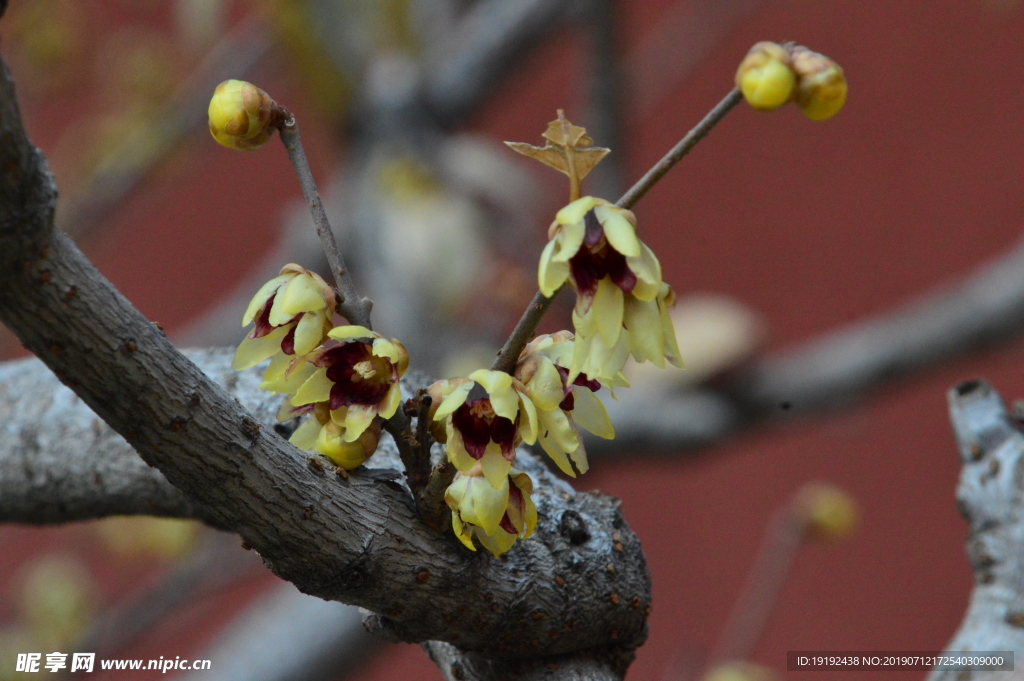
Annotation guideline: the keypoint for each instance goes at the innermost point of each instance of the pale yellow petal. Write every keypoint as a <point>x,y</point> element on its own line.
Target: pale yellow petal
<point>456,452</point>
<point>455,399</point>
<point>317,388</point>
<point>305,436</point>
<point>358,419</point>
<point>494,465</point>
<point>590,414</point>
<point>286,374</point>
<point>648,274</point>
<point>351,331</point>
<point>389,405</point>
<point>546,388</point>
<point>568,241</point>
<point>382,347</point>
<point>562,431</point>
<point>672,353</point>
<point>528,420</point>
<point>557,454</point>
<point>550,274</point>
<point>575,211</point>
<point>462,532</point>
<point>486,504</point>
<point>646,337</point>
<point>579,457</point>
<point>608,310</point>
<point>498,543</point>
<point>618,231</point>
<point>261,297</point>
<point>531,513</point>
<point>252,351</point>
<point>309,332</point>
<point>302,294</point>
<point>498,385</point>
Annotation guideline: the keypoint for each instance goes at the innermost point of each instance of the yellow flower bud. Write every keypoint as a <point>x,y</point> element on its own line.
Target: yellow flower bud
<point>331,443</point>
<point>241,115</point>
<point>826,511</point>
<point>821,85</point>
<point>765,77</point>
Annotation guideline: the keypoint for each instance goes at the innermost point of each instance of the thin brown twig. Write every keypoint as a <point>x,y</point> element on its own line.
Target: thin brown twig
<point>351,305</point>
<point>527,325</point>
<point>421,469</point>
<point>714,117</point>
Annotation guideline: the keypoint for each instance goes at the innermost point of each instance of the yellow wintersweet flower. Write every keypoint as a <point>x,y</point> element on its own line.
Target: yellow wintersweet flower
<point>357,376</point>
<point>321,432</point>
<point>292,314</point>
<point>821,84</point>
<point>562,406</point>
<point>241,115</point>
<point>496,516</point>
<point>765,77</point>
<point>486,417</point>
<point>617,280</point>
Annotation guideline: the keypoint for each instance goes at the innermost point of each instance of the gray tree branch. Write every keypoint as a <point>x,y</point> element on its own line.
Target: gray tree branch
<point>991,498</point>
<point>358,540</point>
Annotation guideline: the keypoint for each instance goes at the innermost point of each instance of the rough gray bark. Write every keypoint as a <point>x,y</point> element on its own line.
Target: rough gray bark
<point>357,540</point>
<point>991,498</point>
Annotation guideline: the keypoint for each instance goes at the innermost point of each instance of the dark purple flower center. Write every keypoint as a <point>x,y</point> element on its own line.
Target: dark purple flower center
<point>359,376</point>
<point>596,260</point>
<point>479,425</point>
<point>569,402</point>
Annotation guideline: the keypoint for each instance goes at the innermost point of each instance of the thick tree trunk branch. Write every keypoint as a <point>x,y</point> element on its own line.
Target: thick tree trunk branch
<point>991,498</point>
<point>357,540</point>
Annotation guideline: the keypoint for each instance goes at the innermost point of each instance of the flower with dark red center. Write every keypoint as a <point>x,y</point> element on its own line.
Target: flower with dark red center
<point>357,377</point>
<point>563,406</point>
<point>292,314</point>
<point>496,516</point>
<point>594,247</point>
<point>486,417</point>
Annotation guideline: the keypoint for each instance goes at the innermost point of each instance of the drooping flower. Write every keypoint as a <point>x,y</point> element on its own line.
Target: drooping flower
<point>357,377</point>
<point>765,76</point>
<point>241,115</point>
<point>292,314</point>
<point>594,246</point>
<point>563,406</point>
<point>485,416</point>
<point>648,334</point>
<point>496,516</point>
<point>321,432</point>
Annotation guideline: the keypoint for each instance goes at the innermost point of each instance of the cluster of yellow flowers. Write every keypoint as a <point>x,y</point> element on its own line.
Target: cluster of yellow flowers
<point>345,377</point>
<point>772,75</point>
<point>621,309</point>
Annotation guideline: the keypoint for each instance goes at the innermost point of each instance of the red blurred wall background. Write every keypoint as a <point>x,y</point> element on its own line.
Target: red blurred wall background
<point>811,224</point>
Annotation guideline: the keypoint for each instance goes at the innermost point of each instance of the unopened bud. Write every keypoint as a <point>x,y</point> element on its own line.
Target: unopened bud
<point>826,511</point>
<point>331,443</point>
<point>765,77</point>
<point>241,115</point>
<point>821,85</point>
